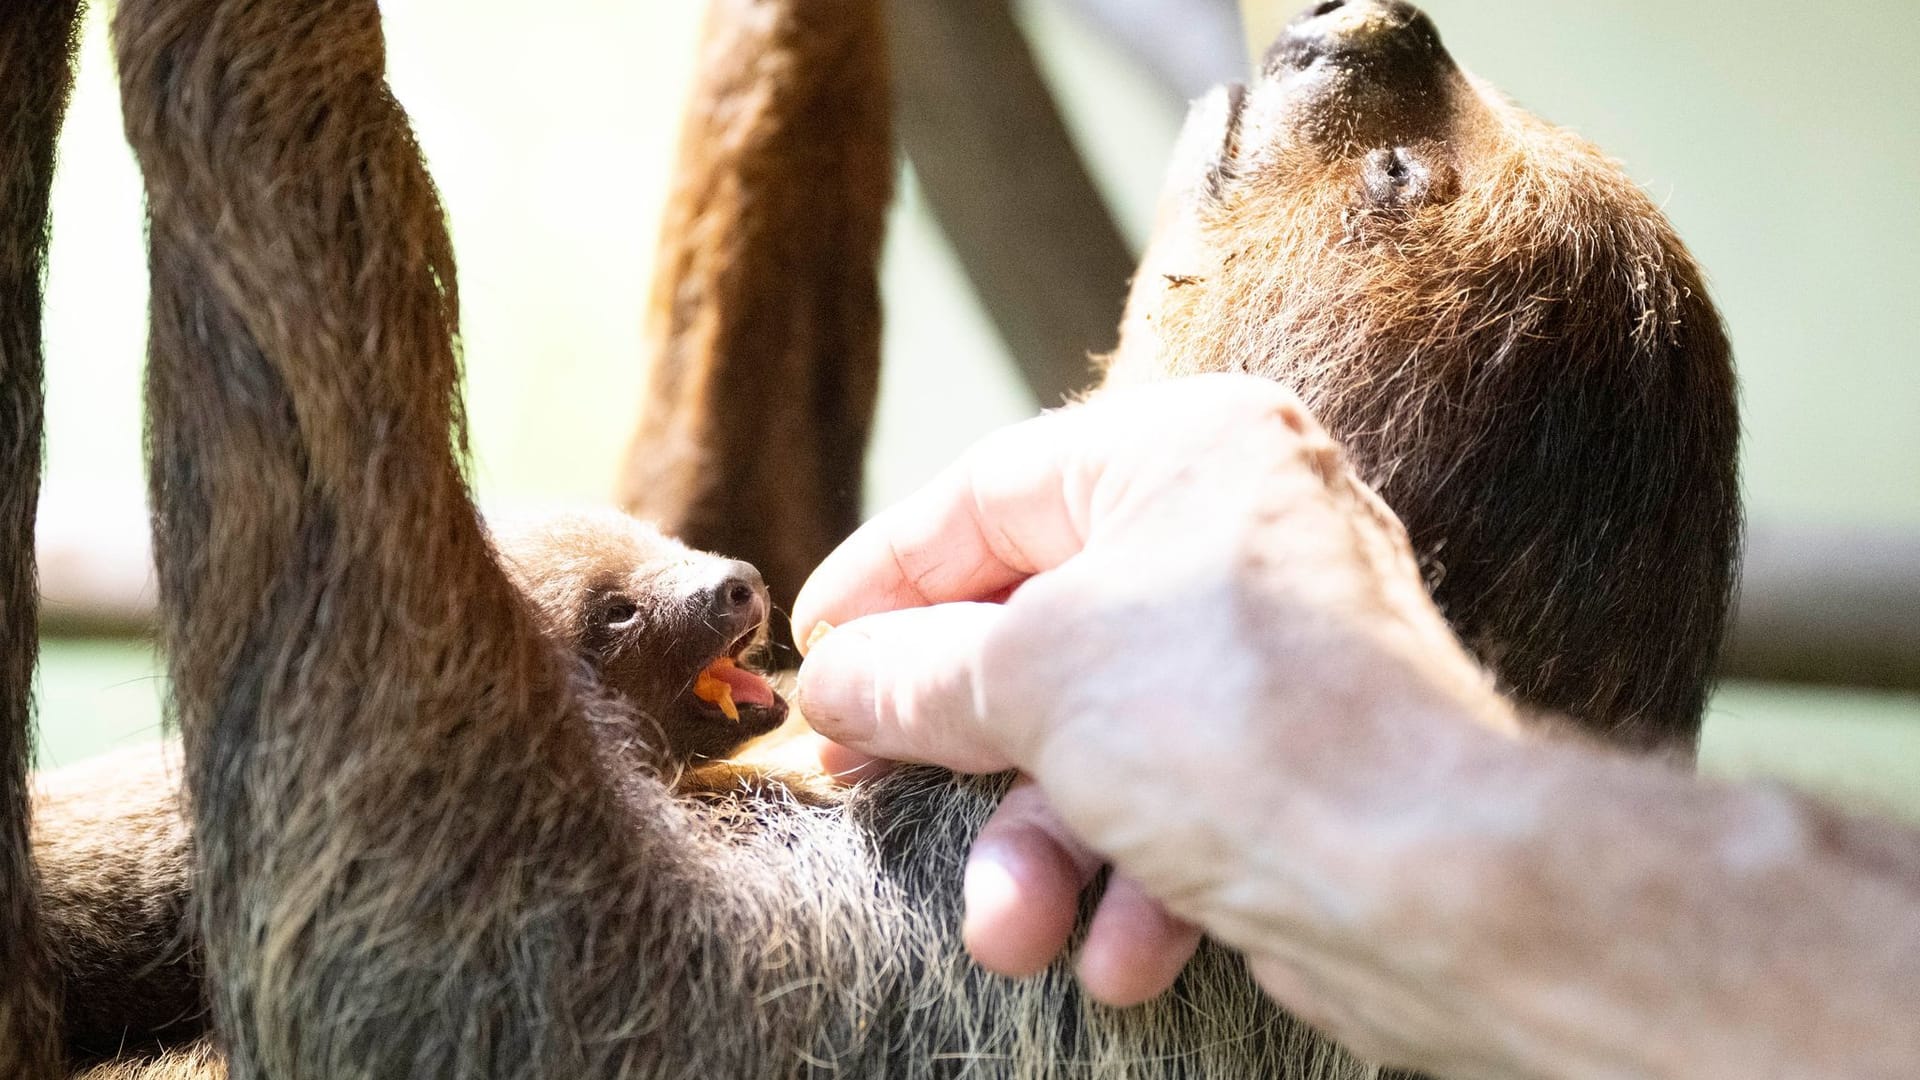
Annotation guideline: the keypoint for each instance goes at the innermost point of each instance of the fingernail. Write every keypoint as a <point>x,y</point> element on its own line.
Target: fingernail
<point>836,686</point>
<point>990,887</point>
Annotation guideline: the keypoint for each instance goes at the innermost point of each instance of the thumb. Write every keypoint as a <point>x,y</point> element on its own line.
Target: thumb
<point>906,685</point>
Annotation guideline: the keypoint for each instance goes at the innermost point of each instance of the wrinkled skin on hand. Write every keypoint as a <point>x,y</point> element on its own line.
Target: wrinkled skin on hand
<point>1201,593</point>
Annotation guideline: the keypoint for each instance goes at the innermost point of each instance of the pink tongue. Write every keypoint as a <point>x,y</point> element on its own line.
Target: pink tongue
<point>748,688</point>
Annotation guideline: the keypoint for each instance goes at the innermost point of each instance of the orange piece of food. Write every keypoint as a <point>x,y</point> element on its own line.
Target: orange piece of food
<point>715,691</point>
<point>820,630</point>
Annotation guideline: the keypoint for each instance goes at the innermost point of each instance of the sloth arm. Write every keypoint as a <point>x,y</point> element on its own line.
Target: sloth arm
<point>396,795</point>
<point>37,42</point>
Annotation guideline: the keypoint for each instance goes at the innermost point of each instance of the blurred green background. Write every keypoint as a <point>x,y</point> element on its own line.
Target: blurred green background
<point>1785,152</point>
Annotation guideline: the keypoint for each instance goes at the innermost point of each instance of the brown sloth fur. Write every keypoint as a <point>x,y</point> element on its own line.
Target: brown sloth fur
<point>424,849</point>
<point>36,48</point>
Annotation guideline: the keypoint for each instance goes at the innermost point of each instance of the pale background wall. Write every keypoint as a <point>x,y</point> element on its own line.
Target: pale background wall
<point>1780,137</point>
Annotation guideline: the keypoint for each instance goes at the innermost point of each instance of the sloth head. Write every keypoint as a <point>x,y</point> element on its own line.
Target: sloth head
<point>1365,203</point>
<point>665,627</point>
<point>1501,328</point>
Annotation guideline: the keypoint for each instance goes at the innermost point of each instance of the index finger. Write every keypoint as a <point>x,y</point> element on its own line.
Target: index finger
<point>1006,510</point>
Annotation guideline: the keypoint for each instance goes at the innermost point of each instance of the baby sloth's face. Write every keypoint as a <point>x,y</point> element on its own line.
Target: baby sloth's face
<point>666,627</point>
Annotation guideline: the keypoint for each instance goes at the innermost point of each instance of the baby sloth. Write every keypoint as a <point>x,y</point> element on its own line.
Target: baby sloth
<point>661,628</point>
<point>657,623</point>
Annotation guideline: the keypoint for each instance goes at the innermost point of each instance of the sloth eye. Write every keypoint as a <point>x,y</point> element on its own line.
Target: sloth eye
<point>618,612</point>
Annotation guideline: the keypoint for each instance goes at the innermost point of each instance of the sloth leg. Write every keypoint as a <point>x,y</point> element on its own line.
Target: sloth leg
<point>764,323</point>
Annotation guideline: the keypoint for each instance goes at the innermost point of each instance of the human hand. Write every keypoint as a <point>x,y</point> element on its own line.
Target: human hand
<point>1217,662</point>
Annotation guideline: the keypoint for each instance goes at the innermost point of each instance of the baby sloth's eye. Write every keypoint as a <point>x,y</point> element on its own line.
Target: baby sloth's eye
<point>1398,178</point>
<point>618,612</point>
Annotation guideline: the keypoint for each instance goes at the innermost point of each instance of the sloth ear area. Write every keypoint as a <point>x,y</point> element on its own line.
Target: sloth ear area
<point>1404,177</point>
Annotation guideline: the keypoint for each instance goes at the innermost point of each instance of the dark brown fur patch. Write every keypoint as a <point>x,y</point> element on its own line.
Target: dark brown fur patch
<point>37,41</point>
<point>112,849</point>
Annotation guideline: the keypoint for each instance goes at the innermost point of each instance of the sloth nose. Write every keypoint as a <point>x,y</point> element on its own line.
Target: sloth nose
<point>1389,40</point>
<point>735,598</point>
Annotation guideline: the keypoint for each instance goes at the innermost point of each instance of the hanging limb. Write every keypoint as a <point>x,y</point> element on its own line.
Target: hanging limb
<point>764,320</point>
<point>346,660</point>
<point>424,851</point>
<point>37,41</point>
<point>1000,170</point>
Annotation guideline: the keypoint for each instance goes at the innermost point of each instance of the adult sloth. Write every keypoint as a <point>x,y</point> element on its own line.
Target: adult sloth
<point>419,856</point>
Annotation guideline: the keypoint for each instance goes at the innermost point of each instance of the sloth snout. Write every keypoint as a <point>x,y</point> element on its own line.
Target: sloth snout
<point>733,598</point>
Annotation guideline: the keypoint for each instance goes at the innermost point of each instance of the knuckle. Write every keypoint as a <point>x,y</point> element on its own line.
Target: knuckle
<point>1270,412</point>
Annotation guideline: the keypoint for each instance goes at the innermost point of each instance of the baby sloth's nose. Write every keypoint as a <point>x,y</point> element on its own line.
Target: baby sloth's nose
<point>1387,40</point>
<point>736,598</point>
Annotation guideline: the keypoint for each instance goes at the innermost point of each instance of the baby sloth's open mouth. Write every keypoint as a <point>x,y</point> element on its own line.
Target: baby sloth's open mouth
<point>726,692</point>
